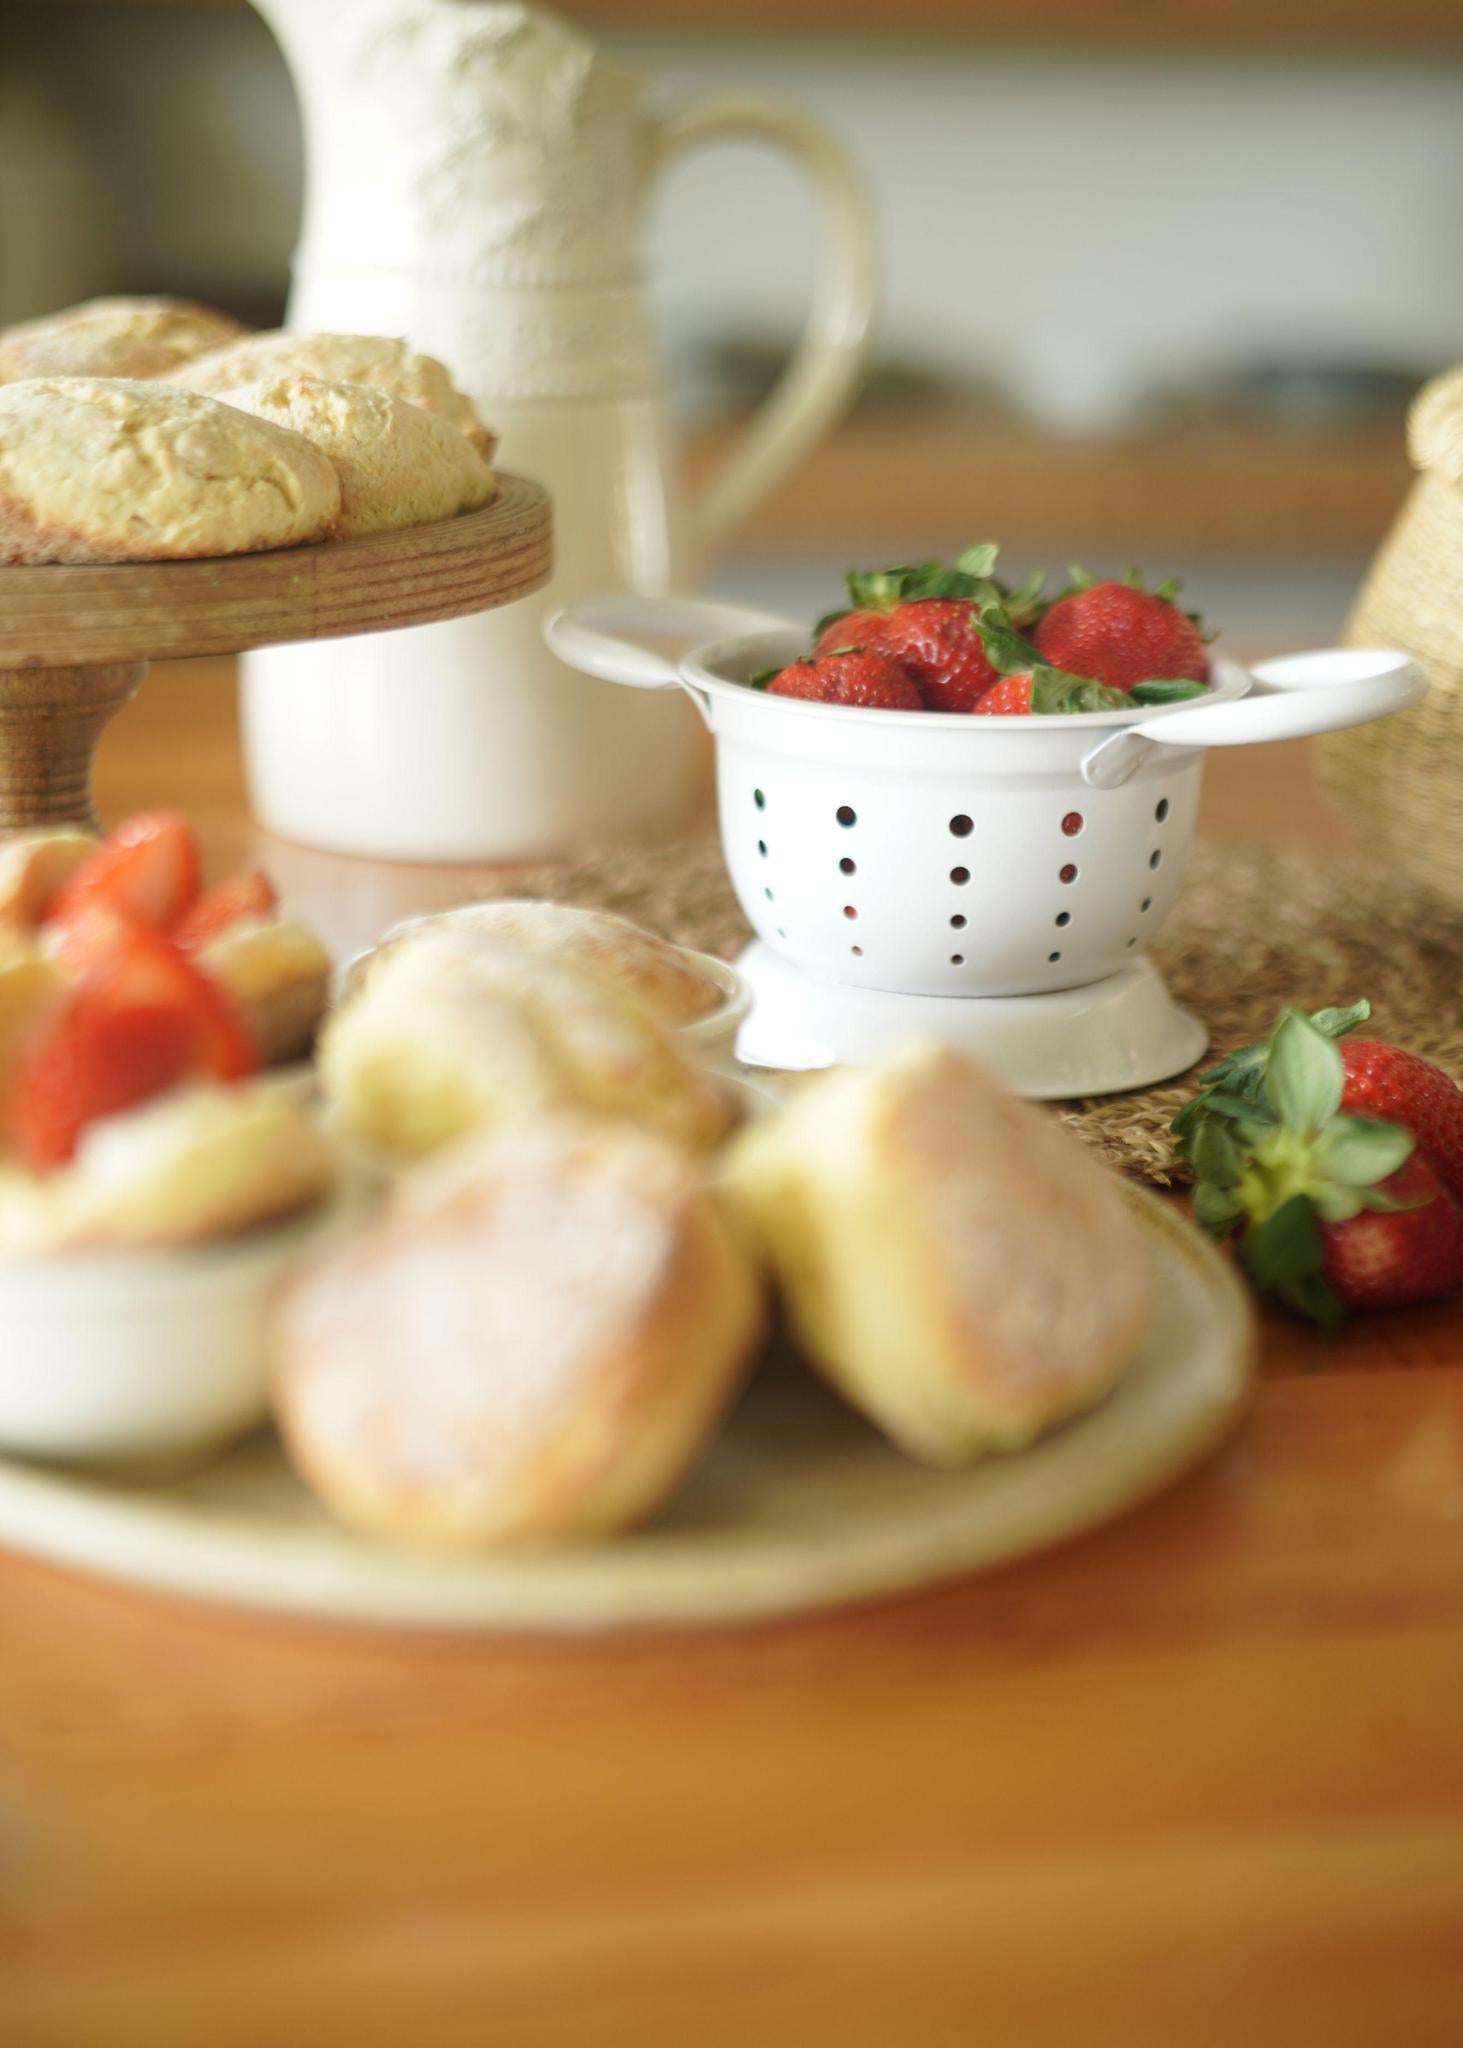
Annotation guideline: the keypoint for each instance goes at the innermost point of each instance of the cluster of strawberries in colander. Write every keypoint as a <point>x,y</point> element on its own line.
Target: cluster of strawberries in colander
<point>929,637</point>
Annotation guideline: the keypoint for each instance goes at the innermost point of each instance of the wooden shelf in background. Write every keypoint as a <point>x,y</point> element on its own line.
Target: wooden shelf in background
<point>1298,24</point>
<point>1221,484</point>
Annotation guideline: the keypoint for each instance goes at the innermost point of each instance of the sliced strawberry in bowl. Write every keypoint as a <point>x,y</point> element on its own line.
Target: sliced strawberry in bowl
<point>227,903</point>
<point>148,869</point>
<point>141,1019</point>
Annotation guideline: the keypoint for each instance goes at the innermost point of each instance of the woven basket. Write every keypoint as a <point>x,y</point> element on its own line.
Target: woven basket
<point>1400,783</point>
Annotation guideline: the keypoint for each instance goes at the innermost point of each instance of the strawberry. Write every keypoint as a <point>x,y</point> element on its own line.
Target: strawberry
<point>1121,634</point>
<point>925,616</point>
<point>141,1019</point>
<point>248,895</point>
<point>148,869</point>
<point>1009,696</point>
<point>1049,691</point>
<point>850,675</point>
<point>1331,1208</point>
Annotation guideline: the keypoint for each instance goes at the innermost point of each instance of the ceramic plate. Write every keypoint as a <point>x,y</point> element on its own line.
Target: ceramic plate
<point>797,1506</point>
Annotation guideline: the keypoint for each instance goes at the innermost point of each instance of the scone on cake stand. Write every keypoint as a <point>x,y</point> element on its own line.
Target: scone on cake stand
<point>76,642</point>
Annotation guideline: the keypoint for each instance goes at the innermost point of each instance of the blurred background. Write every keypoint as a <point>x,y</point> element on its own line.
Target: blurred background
<point>1160,276</point>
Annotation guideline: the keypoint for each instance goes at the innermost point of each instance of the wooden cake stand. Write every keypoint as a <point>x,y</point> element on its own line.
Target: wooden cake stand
<point>75,643</point>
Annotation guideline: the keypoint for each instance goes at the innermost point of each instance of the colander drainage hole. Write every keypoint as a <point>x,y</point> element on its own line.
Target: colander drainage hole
<point>846,815</point>
<point>957,959</point>
<point>857,949</point>
<point>1155,857</point>
<point>768,894</point>
<point>849,911</point>
<point>1162,812</point>
<point>1132,942</point>
<point>762,848</point>
<point>847,866</point>
<point>957,922</point>
<point>781,933</point>
<point>1053,958</point>
<point>1072,824</point>
<point>962,826</point>
<point>1068,873</point>
<point>959,876</point>
<point>759,799</point>
<point>1064,917</point>
<point>1146,904</point>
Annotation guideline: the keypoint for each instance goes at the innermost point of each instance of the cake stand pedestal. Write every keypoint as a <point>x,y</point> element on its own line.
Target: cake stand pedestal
<point>76,643</point>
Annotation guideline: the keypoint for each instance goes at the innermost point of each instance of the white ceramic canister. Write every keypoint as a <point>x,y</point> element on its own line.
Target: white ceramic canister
<point>476,181</point>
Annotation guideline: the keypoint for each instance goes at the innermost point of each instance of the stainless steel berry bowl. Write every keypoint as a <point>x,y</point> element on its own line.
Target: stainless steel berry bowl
<point>944,857</point>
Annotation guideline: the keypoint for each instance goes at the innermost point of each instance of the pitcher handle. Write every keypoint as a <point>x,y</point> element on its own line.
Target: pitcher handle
<point>820,377</point>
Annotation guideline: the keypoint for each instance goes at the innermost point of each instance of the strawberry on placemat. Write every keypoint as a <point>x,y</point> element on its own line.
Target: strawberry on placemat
<point>1337,1168</point>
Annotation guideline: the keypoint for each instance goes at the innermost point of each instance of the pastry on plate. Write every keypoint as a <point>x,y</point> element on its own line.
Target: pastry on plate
<point>99,469</point>
<point>382,361</point>
<point>35,867</point>
<point>531,1340</point>
<point>114,338</point>
<point>951,1259</point>
<point>449,1035</point>
<point>665,978</point>
<point>398,464</point>
<point>277,973</point>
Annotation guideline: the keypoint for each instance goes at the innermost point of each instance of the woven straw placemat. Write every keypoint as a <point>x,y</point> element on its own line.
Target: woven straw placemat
<point>1255,929</point>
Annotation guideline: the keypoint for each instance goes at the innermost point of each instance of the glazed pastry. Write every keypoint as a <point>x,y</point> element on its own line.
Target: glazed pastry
<point>951,1259</point>
<point>384,362</point>
<point>450,1035</point>
<point>113,338</point>
<point>532,1340</point>
<point>108,470</point>
<point>278,975</point>
<point>398,465</point>
<point>35,867</point>
<point>659,975</point>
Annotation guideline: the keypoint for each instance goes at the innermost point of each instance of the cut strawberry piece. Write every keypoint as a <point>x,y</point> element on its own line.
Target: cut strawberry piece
<point>148,870</point>
<point>142,1019</point>
<point>95,1061</point>
<point>248,895</point>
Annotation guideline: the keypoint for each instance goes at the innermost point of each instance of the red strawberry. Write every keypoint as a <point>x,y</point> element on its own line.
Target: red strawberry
<point>1011,696</point>
<point>1120,634</point>
<point>850,629</point>
<point>141,1019</point>
<point>1332,1208</point>
<point>1400,1087</point>
<point>249,895</point>
<point>148,869</point>
<point>855,675</point>
<point>936,640</point>
<point>1388,1258</point>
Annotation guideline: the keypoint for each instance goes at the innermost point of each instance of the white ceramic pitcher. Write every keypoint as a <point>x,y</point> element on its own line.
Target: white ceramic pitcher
<point>476,177</point>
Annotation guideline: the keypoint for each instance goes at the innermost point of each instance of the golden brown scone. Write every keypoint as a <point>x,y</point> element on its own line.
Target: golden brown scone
<point>398,464</point>
<point>200,1164</point>
<point>657,974</point>
<point>35,867</point>
<point>278,974</point>
<point>384,362</point>
<point>97,469</point>
<point>533,1339</point>
<point>448,1036</point>
<point>952,1260</point>
<point>113,338</point>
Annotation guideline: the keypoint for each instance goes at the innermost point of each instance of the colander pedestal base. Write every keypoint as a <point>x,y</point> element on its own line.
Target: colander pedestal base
<point>1123,1032</point>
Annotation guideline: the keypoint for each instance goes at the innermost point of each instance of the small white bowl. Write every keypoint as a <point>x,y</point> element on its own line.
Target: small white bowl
<point>140,1354</point>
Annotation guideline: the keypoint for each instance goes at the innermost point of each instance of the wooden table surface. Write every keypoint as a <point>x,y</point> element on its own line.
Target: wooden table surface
<point>1195,1779</point>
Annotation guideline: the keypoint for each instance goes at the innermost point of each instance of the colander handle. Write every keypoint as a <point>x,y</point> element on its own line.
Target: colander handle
<point>607,636</point>
<point>1297,695</point>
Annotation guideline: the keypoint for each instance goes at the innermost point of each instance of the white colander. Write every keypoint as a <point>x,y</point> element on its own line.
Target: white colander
<point>927,854</point>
